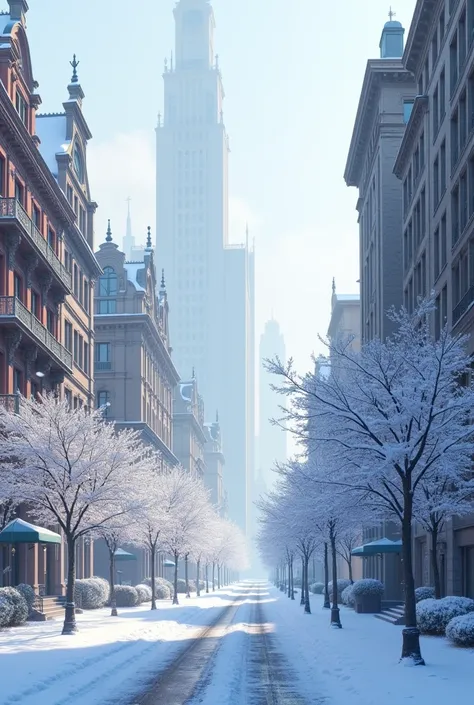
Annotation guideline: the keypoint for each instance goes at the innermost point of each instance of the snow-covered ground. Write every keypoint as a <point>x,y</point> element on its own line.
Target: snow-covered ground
<point>107,661</point>
<point>358,665</point>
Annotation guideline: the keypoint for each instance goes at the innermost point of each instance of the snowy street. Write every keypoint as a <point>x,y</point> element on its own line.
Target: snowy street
<point>243,645</point>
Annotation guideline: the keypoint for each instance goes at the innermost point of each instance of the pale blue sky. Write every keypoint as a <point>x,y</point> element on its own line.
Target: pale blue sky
<point>292,71</point>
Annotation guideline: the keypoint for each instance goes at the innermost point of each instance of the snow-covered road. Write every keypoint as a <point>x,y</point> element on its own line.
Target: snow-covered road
<point>234,662</point>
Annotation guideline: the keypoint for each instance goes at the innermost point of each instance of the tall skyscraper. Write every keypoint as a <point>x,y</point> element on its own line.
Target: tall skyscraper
<point>210,283</point>
<point>272,440</point>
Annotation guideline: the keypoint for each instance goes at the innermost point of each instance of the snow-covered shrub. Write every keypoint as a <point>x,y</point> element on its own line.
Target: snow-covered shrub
<point>347,597</point>
<point>6,610</point>
<point>317,588</point>
<point>19,605</point>
<point>192,585</point>
<point>89,594</point>
<point>367,586</point>
<point>28,593</point>
<point>126,596</point>
<point>163,587</point>
<point>433,616</point>
<point>104,587</point>
<point>181,586</point>
<point>144,593</point>
<point>424,593</point>
<point>341,585</point>
<point>460,630</point>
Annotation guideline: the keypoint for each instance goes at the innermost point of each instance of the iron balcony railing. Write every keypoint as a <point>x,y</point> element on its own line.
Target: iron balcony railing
<point>12,308</point>
<point>10,402</point>
<point>102,365</point>
<point>11,209</point>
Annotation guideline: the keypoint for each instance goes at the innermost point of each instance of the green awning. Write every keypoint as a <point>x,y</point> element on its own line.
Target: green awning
<point>19,531</point>
<point>121,555</point>
<point>379,546</point>
<point>168,564</point>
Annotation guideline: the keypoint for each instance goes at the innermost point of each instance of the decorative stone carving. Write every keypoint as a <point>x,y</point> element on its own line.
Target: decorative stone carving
<point>13,241</point>
<point>45,281</point>
<point>31,264</point>
<point>31,355</point>
<point>58,299</point>
<point>13,340</point>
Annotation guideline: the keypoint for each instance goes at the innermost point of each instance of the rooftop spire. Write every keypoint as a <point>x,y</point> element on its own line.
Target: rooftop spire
<point>163,285</point>
<point>108,237</point>
<point>148,239</point>
<point>74,63</point>
<point>391,14</point>
<point>333,285</point>
<point>391,42</point>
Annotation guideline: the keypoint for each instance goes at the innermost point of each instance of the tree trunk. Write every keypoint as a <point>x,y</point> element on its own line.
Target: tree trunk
<point>112,600</point>
<point>213,576</point>
<point>289,579</point>
<point>207,578</point>
<point>70,626</point>
<point>302,582</point>
<point>335,613</point>
<point>198,577</point>
<point>186,575</point>
<point>292,580</point>
<point>307,605</point>
<point>327,604</point>
<point>349,565</point>
<point>152,560</point>
<point>434,560</point>
<point>175,589</point>
<point>411,633</point>
<point>218,576</point>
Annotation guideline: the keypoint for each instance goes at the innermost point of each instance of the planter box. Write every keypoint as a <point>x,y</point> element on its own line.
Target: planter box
<point>368,604</point>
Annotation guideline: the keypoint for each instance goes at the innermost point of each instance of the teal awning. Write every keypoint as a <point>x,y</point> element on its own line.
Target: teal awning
<point>20,531</point>
<point>168,564</point>
<point>379,546</point>
<point>121,555</point>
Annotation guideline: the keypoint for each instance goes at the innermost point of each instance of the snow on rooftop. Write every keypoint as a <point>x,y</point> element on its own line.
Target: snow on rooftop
<point>132,272</point>
<point>4,22</point>
<point>51,129</point>
<point>348,297</point>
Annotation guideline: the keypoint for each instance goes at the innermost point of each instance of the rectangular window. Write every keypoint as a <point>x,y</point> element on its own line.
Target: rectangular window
<point>422,151</point>
<point>70,194</point>
<point>462,39</point>
<point>454,139</point>
<point>455,214</point>
<point>82,220</point>
<point>407,108</point>
<point>463,201</point>
<point>68,396</point>
<point>76,281</point>
<point>436,182</point>
<point>444,306</point>
<point>102,352</point>
<point>18,285</point>
<point>436,248</point>
<point>81,352</point>
<point>68,261</point>
<point>423,214</point>
<point>86,294</point>
<point>52,239</point>
<point>37,217</point>
<point>76,346</point>
<point>81,288</point>
<point>18,381</point>
<point>51,321</point>
<point>103,401</point>
<point>453,64</point>
<point>68,335</point>
<point>443,168</point>
<point>19,192</point>
<point>435,112</point>
<point>21,107</point>
<point>444,242</point>
<point>442,96</point>
<point>36,304</point>
<point>462,120</point>
<point>76,205</point>
<point>107,306</point>
<point>86,358</point>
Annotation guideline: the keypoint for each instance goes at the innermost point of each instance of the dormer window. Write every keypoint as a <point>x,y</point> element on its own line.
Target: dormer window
<point>108,285</point>
<point>21,107</point>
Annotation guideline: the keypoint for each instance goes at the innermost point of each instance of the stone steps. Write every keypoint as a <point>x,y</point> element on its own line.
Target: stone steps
<point>393,615</point>
<point>53,608</point>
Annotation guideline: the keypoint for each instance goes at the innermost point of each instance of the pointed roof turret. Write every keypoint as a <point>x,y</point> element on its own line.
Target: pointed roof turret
<point>109,232</point>
<point>74,88</point>
<point>391,42</point>
<point>108,238</point>
<point>163,284</point>
<point>149,246</point>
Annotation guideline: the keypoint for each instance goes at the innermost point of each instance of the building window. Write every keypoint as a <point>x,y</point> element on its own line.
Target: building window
<point>407,108</point>
<point>107,306</point>
<point>21,107</point>
<point>51,321</point>
<point>17,381</point>
<point>76,346</point>
<point>19,192</point>
<point>18,284</point>
<point>68,261</point>
<point>81,352</point>
<point>102,356</point>
<point>86,365</point>
<point>68,397</point>
<point>68,336</point>
<point>81,288</point>
<point>76,281</point>
<point>52,239</point>
<point>36,304</point>
<point>82,220</point>
<point>37,217</point>
<point>454,66</point>
<point>70,194</point>
<point>103,402</point>
<point>108,283</point>
<point>87,294</point>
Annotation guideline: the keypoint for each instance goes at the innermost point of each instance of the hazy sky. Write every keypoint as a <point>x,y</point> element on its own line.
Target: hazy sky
<point>292,71</point>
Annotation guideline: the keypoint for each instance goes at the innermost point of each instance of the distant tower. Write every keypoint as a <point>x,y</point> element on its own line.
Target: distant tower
<point>391,42</point>
<point>128,240</point>
<point>272,439</point>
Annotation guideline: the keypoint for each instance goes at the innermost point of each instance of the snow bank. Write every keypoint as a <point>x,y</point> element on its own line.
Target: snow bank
<point>358,664</point>
<point>110,657</point>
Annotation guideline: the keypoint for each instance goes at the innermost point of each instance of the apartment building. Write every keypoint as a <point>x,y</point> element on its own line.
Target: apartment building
<point>435,166</point>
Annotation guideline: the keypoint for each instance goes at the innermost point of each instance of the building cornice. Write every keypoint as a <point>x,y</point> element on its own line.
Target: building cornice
<point>179,417</point>
<point>420,107</point>
<point>125,320</point>
<point>151,436</point>
<point>377,72</point>
<point>417,36</point>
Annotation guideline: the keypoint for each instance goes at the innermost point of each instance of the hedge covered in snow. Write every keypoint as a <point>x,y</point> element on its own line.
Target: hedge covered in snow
<point>144,593</point>
<point>367,586</point>
<point>433,616</point>
<point>317,588</point>
<point>424,593</point>
<point>460,630</point>
<point>341,586</point>
<point>28,593</point>
<point>347,597</point>
<point>91,593</point>
<point>163,588</point>
<point>126,596</point>
<point>18,612</point>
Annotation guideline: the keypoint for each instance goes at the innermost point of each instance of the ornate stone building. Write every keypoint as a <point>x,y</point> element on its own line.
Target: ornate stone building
<point>46,262</point>
<point>189,437</point>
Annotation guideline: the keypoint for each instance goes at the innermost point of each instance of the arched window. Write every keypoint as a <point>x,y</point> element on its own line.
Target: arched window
<point>108,283</point>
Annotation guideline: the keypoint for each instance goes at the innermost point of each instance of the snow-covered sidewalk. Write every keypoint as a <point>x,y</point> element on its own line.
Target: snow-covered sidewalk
<point>107,661</point>
<point>358,665</point>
